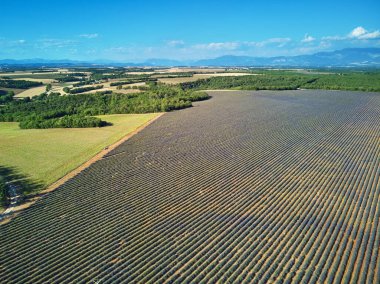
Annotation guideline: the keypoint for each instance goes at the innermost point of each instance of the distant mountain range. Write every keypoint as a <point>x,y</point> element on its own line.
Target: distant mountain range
<point>345,57</point>
<point>350,57</point>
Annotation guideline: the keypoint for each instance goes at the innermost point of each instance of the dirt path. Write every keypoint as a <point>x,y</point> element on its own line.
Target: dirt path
<point>15,207</point>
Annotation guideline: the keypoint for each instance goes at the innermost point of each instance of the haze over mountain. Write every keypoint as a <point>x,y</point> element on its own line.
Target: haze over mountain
<point>350,57</point>
<point>344,57</point>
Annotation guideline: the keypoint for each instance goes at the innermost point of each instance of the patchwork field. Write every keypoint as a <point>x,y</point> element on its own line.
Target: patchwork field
<point>188,69</point>
<point>45,155</point>
<point>247,187</point>
<point>31,92</point>
<point>45,81</point>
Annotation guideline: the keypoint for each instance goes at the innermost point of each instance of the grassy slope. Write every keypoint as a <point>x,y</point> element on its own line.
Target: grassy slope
<point>45,155</point>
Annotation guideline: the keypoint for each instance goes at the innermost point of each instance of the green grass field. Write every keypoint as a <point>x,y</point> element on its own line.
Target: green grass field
<point>45,155</point>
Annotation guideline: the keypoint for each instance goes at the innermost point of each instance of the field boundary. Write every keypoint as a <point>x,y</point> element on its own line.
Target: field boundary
<point>14,209</point>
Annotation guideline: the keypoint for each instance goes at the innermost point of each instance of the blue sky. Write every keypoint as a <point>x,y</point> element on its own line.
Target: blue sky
<point>187,30</point>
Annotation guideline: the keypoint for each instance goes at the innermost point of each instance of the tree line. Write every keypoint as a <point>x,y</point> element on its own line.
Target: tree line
<point>53,110</point>
<point>66,121</point>
<point>18,84</point>
<point>68,79</point>
<point>132,81</point>
<point>82,89</point>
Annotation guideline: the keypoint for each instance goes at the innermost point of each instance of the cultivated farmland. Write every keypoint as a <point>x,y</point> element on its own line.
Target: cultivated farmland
<point>32,92</point>
<point>245,187</point>
<point>45,155</point>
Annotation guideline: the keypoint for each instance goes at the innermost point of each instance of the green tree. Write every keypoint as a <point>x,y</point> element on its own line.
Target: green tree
<point>48,87</point>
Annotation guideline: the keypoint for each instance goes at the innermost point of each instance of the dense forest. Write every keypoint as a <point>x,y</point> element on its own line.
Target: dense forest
<point>18,84</point>
<point>6,96</point>
<point>352,81</point>
<point>250,82</point>
<point>47,111</point>
<point>68,79</point>
<point>280,80</point>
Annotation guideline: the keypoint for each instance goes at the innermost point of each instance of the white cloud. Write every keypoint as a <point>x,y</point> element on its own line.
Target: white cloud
<point>373,35</point>
<point>362,33</point>
<point>218,46</point>
<point>315,47</point>
<point>18,42</point>
<point>54,43</point>
<point>175,42</point>
<point>279,41</point>
<point>334,38</point>
<point>89,36</point>
<point>308,38</point>
<point>357,32</point>
<point>118,49</point>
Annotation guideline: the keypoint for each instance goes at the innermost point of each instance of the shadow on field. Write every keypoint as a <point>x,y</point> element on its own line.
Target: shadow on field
<point>16,187</point>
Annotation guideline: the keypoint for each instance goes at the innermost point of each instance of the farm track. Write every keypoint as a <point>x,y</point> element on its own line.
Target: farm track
<point>248,187</point>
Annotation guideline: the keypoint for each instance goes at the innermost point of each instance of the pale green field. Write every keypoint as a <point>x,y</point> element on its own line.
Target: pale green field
<point>45,155</point>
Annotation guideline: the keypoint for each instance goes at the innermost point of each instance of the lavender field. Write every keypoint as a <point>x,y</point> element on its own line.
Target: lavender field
<point>246,187</point>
